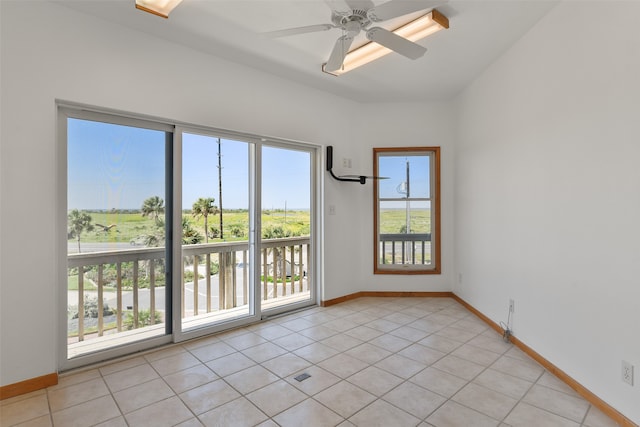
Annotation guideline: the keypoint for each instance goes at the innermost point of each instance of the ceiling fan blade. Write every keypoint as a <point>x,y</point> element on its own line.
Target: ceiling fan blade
<point>395,8</point>
<point>360,4</point>
<point>396,43</point>
<point>337,5</point>
<point>298,30</point>
<point>338,53</point>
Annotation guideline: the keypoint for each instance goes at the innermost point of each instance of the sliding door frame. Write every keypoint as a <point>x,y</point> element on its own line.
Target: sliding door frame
<point>255,228</point>
<point>173,178</point>
<point>68,111</point>
<point>254,203</point>
<point>314,272</point>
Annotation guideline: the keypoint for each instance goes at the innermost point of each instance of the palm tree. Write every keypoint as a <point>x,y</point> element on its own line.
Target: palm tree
<point>153,207</point>
<point>204,207</point>
<point>155,239</point>
<point>190,235</point>
<point>77,223</point>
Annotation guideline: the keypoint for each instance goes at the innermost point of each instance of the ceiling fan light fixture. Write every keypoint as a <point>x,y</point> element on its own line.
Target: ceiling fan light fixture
<point>157,7</point>
<point>415,30</point>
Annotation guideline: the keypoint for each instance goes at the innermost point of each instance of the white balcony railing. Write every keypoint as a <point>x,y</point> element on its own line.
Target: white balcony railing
<point>405,248</point>
<point>120,291</point>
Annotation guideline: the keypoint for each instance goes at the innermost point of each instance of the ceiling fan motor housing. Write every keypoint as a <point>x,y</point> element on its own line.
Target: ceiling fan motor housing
<point>353,21</point>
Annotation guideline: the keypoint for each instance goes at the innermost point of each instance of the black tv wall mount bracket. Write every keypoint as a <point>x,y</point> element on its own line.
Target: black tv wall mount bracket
<point>362,179</point>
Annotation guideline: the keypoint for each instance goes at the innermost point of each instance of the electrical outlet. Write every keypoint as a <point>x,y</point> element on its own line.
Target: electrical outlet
<point>627,372</point>
<point>511,306</point>
<point>332,209</point>
<point>346,163</point>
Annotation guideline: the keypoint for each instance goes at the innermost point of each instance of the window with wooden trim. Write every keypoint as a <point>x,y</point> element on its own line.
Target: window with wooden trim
<point>407,210</point>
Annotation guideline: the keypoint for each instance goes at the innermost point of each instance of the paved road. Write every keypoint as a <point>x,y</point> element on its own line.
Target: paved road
<point>144,295</point>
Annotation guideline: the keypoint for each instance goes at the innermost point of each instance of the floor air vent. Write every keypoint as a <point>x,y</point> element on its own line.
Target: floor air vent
<point>302,377</point>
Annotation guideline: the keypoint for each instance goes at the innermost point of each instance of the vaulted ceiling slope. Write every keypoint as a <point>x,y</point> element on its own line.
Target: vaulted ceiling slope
<point>479,32</point>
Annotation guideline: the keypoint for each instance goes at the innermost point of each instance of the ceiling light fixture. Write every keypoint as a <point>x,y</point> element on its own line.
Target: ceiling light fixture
<point>420,28</point>
<point>157,7</point>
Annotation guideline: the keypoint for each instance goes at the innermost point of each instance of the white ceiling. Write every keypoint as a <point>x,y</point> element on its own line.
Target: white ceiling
<point>480,30</point>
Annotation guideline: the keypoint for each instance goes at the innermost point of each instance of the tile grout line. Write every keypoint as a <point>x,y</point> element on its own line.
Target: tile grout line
<point>549,411</point>
<point>584,418</point>
<point>521,400</point>
<point>175,394</point>
<point>369,365</point>
<point>319,318</point>
<point>423,369</point>
<point>468,381</point>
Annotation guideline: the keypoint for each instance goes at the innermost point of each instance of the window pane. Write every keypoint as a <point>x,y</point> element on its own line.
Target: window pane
<point>206,162</point>
<point>116,234</point>
<point>112,170</point>
<point>215,231</point>
<point>413,217</point>
<point>412,169</point>
<point>286,222</point>
<point>406,213</point>
<point>405,233</point>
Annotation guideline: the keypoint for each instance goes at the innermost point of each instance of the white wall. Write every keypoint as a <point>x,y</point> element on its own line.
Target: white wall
<point>546,185</point>
<point>404,125</point>
<point>51,52</point>
<point>548,193</point>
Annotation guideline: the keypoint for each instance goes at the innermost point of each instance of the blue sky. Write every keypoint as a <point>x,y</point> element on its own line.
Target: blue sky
<point>395,167</point>
<point>117,167</point>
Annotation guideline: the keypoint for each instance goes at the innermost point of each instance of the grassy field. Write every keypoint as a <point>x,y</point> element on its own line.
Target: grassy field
<point>394,221</point>
<point>130,225</point>
<point>72,284</point>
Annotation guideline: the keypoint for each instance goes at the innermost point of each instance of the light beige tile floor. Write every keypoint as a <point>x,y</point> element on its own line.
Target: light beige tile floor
<point>389,362</point>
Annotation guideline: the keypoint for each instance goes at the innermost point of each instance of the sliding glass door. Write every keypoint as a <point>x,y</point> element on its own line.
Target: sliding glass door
<point>115,289</point>
<point>171,233</point>
<point>286,218</point>
<point>216,225</point>
<point>246,224</point>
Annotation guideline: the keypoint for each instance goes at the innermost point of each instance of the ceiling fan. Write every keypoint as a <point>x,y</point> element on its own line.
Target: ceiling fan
<point>360,16</point>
